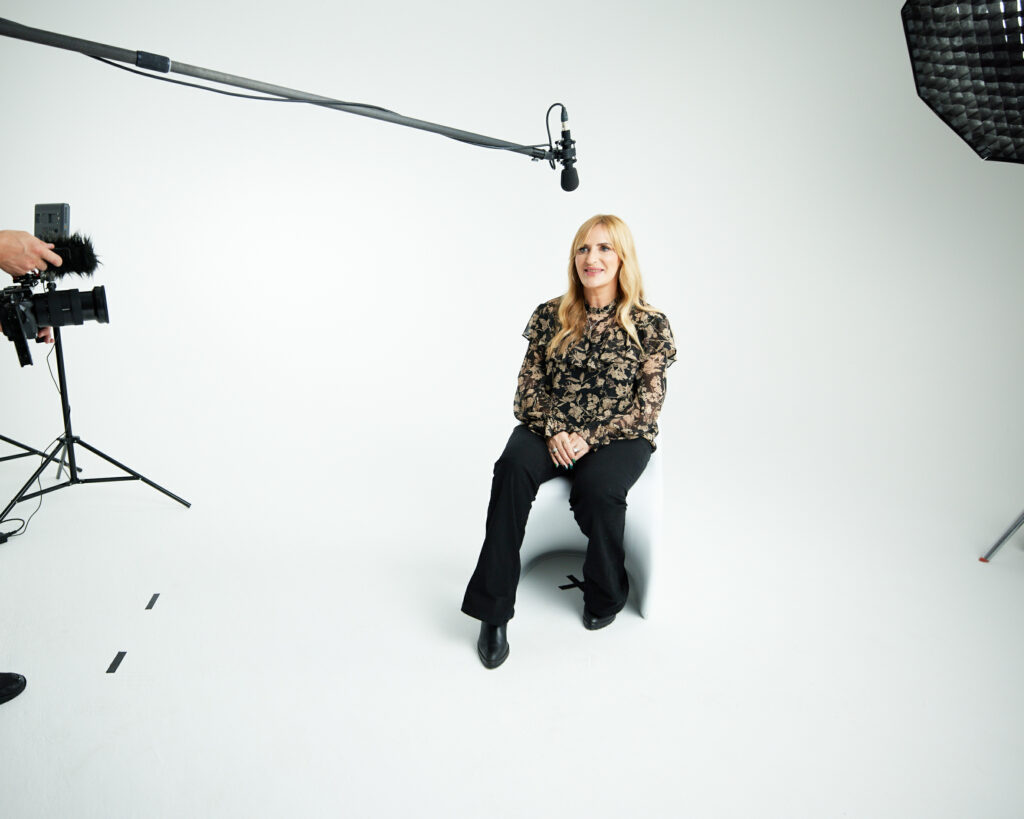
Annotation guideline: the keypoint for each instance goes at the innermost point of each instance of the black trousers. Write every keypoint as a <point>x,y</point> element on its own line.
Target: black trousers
<point>600,482</point>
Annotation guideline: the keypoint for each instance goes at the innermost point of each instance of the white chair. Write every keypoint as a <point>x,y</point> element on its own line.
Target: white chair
<point>552,530</point>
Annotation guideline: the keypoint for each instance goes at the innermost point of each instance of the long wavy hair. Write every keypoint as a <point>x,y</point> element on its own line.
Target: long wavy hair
<point>572,310</point>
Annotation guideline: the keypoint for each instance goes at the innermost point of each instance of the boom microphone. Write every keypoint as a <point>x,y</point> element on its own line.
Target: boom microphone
<point>77,255</point>
<point>567,156</point>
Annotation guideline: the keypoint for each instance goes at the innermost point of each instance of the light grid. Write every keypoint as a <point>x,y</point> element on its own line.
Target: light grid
<point>968,62</point>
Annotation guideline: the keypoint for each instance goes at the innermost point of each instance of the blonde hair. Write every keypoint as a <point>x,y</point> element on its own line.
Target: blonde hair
<point>572,310</point>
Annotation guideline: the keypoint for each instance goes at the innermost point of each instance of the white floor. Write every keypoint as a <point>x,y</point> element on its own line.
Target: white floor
<point>306,657</point>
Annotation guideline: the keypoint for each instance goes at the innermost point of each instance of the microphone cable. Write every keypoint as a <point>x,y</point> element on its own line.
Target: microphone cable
<point>329,103</point>
<point>5,536</point>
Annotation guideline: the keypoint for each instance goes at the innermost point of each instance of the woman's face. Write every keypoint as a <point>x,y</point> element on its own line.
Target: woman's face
<point>597,264</point>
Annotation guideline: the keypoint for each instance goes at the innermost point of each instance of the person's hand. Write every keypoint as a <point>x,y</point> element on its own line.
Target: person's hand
<point>21,252</point>
<point>45,334</point>
<point>559,449</point>
<point>578,446</point>
<point>565,448</point>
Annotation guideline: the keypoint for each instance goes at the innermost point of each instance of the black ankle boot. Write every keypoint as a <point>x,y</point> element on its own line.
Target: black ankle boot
<point>592,622</point>
<point>10,686</point>
<point>493,644</point>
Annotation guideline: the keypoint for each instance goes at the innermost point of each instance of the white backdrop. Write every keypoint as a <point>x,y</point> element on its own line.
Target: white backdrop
<point>315,313</point>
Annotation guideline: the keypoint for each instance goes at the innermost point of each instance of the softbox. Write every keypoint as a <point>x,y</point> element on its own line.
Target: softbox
<point>968,62</point>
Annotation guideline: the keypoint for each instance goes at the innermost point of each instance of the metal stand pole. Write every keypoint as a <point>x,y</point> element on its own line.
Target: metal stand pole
<point>165,65</point>
<point>1006,536</point>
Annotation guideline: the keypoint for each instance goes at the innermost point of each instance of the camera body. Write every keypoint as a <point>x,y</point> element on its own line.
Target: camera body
<point>23,313</point>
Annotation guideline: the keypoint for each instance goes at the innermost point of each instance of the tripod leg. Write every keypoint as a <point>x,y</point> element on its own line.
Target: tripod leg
<point>1006,536</point>
<point>28,450</point>
<point>35,476</point>
<point>133,473</point>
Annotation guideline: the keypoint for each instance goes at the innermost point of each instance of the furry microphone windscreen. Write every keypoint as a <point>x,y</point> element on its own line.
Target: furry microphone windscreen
<point>77,255</point>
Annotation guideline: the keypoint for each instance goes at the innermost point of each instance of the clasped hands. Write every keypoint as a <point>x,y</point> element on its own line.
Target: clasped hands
<point>565,448</point>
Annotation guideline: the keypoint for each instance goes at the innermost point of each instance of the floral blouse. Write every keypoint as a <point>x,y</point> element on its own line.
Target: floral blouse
<point>602,387</point>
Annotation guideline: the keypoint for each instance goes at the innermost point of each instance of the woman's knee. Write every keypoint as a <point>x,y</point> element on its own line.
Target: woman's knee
<point>596,494</point>
<point>511,466</point>
<point>523,454</point>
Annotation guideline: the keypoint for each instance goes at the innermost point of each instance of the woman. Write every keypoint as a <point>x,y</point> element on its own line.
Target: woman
<point>590,390</point>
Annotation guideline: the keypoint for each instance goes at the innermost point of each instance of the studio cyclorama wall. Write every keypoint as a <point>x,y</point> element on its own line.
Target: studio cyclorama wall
<point>316,318</point>
<point>839,272</point>
<point>277,271</point>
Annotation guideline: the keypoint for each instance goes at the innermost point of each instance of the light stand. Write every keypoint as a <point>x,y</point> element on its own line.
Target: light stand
<point>968,64</point>
<point>65,446</point>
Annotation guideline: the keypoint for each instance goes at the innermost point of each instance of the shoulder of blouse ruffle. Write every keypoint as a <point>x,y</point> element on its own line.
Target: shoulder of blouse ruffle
<point>547,309</point>
<point>650,314</point>
<point>650,320</point>
<point>654,329</point>
<point>544,319</point>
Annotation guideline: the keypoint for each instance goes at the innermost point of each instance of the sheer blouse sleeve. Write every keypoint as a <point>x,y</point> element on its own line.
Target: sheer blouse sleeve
<point>640,420</point>
<point>533,403</point>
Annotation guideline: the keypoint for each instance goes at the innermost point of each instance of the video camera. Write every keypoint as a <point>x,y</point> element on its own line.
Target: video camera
<point>23,313</point>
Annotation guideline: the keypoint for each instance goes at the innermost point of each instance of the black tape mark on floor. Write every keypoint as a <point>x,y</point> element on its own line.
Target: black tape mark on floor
<point>152,602</point>
<point>576,584</point>
<point>117,662</point>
